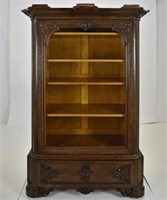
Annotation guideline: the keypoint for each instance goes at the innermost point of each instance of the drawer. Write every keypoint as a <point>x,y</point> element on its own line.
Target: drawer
<point>85,172</point>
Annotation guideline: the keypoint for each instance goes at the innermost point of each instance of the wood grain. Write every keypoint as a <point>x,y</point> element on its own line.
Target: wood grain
<point>82,131</point>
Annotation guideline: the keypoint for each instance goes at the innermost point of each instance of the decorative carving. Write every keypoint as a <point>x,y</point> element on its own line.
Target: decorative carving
<point>122,173</point>
<point>85,173</point>
<point>33,191</point>
<point>49,173</point>
<point>126,26</point>
<point>125,29</point>
<point>85,25</point>
<point>45,27</point>
<point>135,192</point>
<point>85,190</point>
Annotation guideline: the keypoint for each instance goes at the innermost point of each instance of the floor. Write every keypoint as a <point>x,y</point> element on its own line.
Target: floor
<point>15,144</point>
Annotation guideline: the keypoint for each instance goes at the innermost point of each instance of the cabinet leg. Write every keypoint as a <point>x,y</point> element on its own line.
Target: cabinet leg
<point>33,191</point>
<point>135,192</point>
<point>85,190</point>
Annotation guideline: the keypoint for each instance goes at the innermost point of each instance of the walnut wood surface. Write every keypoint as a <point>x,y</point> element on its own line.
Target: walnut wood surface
<point>85,100</point>
<point>85,140</point>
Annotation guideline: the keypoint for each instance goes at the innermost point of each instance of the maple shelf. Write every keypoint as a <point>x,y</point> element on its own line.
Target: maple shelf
<point>86,60</point>
<point>85,110</point>
<point>85,81</point>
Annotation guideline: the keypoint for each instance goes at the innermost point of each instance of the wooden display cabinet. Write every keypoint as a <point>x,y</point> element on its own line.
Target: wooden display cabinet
<point>85,99</point>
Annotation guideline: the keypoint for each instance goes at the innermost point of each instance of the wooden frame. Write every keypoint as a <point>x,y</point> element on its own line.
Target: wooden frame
<point>85,101</point>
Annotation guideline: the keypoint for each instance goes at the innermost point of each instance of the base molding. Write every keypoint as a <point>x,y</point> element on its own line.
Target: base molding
<point>34,192</point>
<point>85,176</point>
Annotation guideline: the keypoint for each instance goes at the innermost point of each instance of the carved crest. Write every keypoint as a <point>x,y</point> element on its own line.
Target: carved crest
<point>85,25</point>
<point>85,173</point>
<point>49,173</point>
<point>122,173</point>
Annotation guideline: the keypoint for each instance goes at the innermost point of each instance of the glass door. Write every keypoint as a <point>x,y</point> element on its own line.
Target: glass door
<point>85,90</point>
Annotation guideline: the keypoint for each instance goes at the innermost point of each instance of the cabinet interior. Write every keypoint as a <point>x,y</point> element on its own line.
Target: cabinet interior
<point>85,89</point>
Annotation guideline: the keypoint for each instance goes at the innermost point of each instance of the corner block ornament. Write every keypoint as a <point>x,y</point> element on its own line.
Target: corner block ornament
<point>125,26</point>
<point>46,27</point>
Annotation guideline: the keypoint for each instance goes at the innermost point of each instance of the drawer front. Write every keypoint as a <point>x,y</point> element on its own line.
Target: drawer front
<point>85,172</point>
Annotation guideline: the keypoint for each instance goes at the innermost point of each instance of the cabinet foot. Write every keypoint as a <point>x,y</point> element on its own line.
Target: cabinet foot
<point>85,190</point>
<point>33,191</point>
<point>135,192</point>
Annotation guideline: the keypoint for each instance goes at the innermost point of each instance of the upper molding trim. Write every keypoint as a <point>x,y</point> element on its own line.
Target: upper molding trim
<point>43,11</point>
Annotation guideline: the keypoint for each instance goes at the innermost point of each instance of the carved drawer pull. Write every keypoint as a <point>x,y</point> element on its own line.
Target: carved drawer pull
<point>49,173</point>
<point>85,173</point>
<point>122,173</point>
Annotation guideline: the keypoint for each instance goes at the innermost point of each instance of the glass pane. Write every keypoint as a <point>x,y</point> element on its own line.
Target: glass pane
<point>85,90</point>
